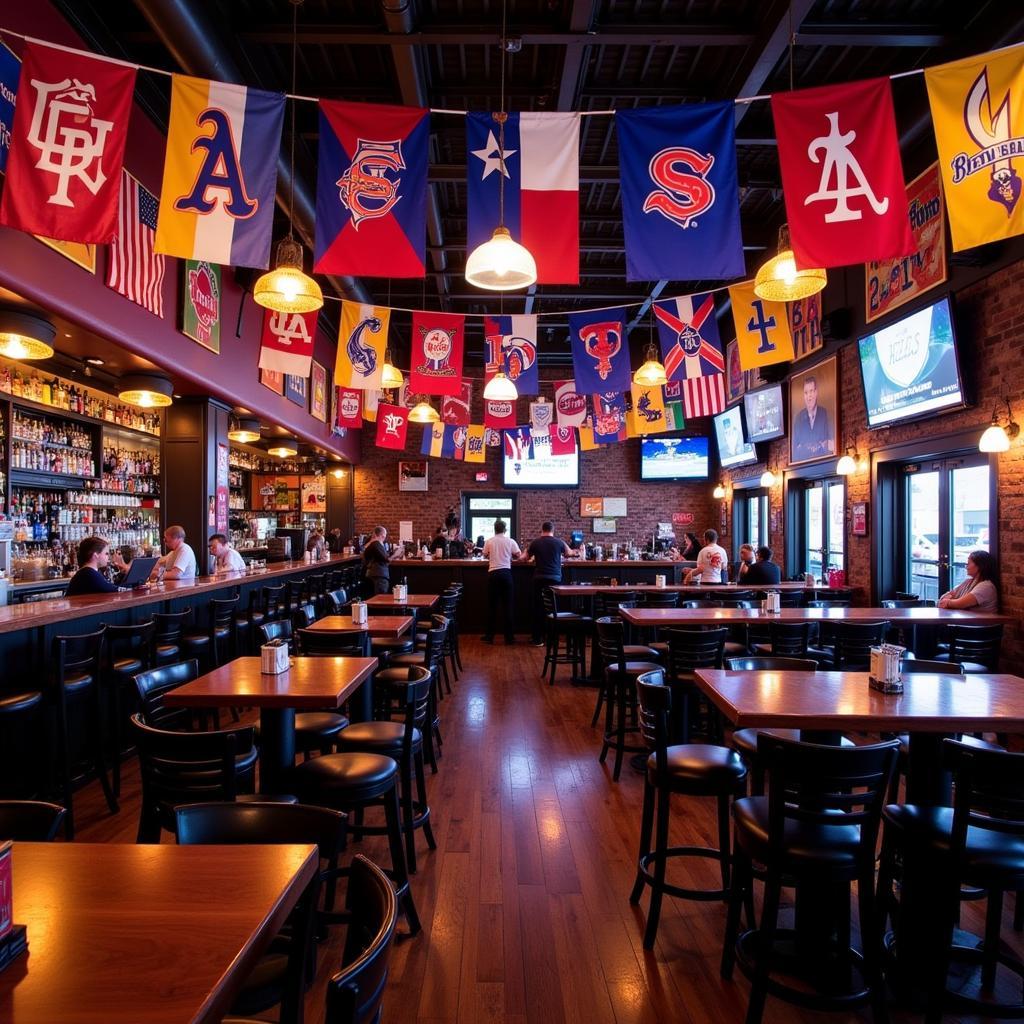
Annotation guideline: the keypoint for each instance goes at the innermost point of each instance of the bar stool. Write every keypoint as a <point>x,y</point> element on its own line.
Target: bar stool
<point>223,630</point>
<point>851,645</point>
<point>690,769</point>
<point>304,615</point>
<point>786,640</point>
<point>316,590</point>
<point>633,652</point>
<point>689,650</point>
<point>129,649</point>
<point>21,740</point>
<point>337,599</point>
<point>297,595</point>
<point>570,627</point>
<point>173,643</point>
<point>273,601</point>
<point>430,658</point>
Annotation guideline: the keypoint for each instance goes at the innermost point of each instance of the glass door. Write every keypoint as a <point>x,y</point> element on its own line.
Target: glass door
<point>824,527</point>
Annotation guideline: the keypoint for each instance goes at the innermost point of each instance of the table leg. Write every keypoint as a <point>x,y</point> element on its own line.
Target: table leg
<point>360,704</point>
<point>277,748</point>
<point>926,782</point>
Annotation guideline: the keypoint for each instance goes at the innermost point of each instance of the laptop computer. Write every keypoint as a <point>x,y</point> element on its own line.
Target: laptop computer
<point>138,573</point>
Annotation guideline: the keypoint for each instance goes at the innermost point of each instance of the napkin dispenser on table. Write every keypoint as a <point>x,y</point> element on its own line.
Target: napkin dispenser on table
<point>884,673</point>
<point>274,657</point>
<point>359,612</point>
<point>771,602</point>
<point>400,592</point>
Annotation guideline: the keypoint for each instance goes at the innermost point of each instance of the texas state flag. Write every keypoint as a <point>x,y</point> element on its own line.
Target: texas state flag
<point>542,185</point>
<point>371,190</point>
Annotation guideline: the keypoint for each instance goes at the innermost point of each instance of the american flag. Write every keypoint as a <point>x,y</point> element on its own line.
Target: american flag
<point>134,270</point>
<point>704,396</point>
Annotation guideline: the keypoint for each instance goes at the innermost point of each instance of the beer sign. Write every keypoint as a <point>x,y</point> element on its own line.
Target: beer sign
<point>200,303</point>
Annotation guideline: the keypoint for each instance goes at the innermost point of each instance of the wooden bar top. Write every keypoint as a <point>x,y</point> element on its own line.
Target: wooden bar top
<point>120,933</point>
<point>736,616</point>
<point>710,591</point>
<point>390,627</point>
<point>843,701</point>
<point>308,684</point>
<point>44,613</point>
<point>605,563</point>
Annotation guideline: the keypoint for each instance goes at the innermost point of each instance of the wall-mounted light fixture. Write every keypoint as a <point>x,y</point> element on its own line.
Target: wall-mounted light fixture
<point>998,436</point>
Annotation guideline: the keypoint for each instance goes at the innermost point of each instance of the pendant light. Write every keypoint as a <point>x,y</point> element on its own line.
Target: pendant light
<point>287,288</point>
<point>25,337</point>
<point>423,412</point>
<point>997,437</point>
<point>501,388</point>
<point>245,431</point>
<point>501,264</point>
<point>652,372</point>
<point>284,447</point>
<point>778,280</point>
<point>147,391</point>
<point>390,375</point>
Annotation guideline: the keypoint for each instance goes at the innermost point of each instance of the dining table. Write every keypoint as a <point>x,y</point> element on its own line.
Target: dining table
<point>121,933</point>
<point>308,684</point>
<point>389,627</point>
<point>417,601</point>
<point>903,617</point>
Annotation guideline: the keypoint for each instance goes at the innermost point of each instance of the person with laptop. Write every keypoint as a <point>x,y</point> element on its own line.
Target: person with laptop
<point>93,558</point>
<point>225,559</point>
<point>180,561</point>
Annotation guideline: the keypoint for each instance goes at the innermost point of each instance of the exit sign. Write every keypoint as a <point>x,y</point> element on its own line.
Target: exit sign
<point>482,476</point>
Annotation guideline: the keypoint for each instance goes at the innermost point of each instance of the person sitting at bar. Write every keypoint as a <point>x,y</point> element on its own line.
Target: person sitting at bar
<point>122,560</point>
<point>499,552</point>
<point>746,561</point>
<point>180,561</point>
<point>712,562</point>
<point>439,545</point>
<point>764,570</point>
<point>980,591</point>
<point>375,561</point>
<point>93,557</point>
<point>226,559</point>
<point>546,552</point>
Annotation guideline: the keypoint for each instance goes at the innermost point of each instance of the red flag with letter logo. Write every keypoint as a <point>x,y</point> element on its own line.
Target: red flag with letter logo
<point>287,343</point>
<point>563,440</point>
<point>350,408</point>
<point>455,408</point>
<point>437,346</point>
<point>67,145</point>
<point>842,176</point>
<point>499,415</point>
<point>392,424</point>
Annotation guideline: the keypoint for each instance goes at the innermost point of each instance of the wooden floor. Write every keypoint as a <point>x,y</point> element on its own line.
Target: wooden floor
<point>524,903</point>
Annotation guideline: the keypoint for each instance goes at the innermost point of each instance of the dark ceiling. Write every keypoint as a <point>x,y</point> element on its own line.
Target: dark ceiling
<point>592,55</point>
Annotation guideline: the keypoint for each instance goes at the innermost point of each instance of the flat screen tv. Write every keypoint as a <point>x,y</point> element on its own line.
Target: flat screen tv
<point>910,368</point>
<point>763,418</point>
<point>674,458</point>
<point>533,465</point>
<point>733,448</point>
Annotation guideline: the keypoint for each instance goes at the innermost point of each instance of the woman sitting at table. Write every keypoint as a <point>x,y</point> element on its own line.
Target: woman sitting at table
<point>980,591</point>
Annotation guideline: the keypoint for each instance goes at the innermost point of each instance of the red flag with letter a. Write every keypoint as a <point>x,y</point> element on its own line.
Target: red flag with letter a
<point>287,342</point>
<point>842,176</point>
<point>392,424</point>
<point>67,145</point>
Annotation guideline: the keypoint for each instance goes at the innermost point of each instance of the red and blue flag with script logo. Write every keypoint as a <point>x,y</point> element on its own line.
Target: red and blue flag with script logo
<point>680,197</point>
<point>609,417</point>
<point>371,190</point>
<point>510,344</point>
<point>688,332</point>
<point>600,351</point>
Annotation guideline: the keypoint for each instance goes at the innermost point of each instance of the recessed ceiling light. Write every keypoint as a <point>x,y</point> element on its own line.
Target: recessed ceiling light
<point>92,360</point>
<point>66,335</point>
<point>176,396</point>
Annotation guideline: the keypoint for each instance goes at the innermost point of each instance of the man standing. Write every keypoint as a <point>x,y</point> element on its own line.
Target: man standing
<point>764,570</point>
<point>376,561</point>
<point>180,561</point>
<point>225,559</point>
<point>812,432</point>
<point>546,553</point>
<point>712,562</point>
<point>499,552</point>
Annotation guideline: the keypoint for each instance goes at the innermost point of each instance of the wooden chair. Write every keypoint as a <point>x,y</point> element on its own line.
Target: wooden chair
<point>29,821</point>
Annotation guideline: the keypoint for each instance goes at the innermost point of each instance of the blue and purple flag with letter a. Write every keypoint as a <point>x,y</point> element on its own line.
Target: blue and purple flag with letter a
<point>600,353</point>
<point>371,190</point>
<point>680,197</point>
<point>510,344</point>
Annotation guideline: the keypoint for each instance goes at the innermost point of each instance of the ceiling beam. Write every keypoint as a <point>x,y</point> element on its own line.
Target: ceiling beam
<point>581,17</point>
<point>908,36</point>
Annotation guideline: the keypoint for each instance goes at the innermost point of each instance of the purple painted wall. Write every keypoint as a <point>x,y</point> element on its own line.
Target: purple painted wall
<point>52,282</point>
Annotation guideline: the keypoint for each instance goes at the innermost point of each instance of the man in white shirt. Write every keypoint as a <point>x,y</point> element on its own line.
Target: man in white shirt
<point>180,561</point>
<point>712,562</point>
<point>499,551</point>
<point>225,559</point>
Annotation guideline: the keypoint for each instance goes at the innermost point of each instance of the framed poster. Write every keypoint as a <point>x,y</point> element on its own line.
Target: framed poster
<point>295,388</point>
<point>200,303</point>
<point>603,525</point>
<point>591,506</point>
<point>891,283</point>
<point>412,476</point>
<point>735,384</point>
<point>314,493</point>
<point>804,317</point>
<point>318,392</point>
<point>81,253</point>
<point>274,380</point>
<point>615,506</point>
<point>859,518</point>
<point>814,413</point>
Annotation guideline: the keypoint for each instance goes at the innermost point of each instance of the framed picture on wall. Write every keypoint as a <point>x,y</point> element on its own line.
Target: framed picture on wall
<point>859,518</point>
<point>318,392</point>
<point>273,379</point>
<point>814,412</point>
<point>295,389</point>
<point>412,476</point>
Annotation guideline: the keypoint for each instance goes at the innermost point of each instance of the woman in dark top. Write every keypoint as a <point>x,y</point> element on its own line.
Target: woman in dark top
<point>375,562</point>
<point>93,556</point>
<point>690,548</point>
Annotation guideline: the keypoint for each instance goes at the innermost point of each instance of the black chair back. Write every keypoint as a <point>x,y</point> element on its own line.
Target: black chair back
<point>278,629</point>
<point>274,601</point>
<point>695,603</point>
<point>304,615</point>
<point>655,709</point>
<point>902,602</point>
<point>770,663</point>
<point>356,992</point>
<point>79,656</point>
<point>853,642</point>
<point>433,649</point>
<point>336,600</point>
<point>659,598</point>
<point>297,591</point>
<point>170,625</point>
<point>312,643</point>
<point>151,686</point>
<point>611,638</point>
<point>789,639</point>
<point>738,599</point>
<point>690,649</point>
<point>988,792</point>
<point>979,644</point>
<point>130,642</point>
<point>223,612</point>
<point>910,666</point>
<point>29,821</point>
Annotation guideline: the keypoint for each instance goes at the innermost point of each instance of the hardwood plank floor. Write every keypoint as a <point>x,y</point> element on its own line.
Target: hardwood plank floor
<point>524,903</point>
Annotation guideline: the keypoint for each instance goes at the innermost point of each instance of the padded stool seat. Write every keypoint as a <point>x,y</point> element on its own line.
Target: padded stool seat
<point>127,667</point>
<point>698,768</point>
<point>77,683</point>
<point>640,652</point>
<point>314,729</point>
<point>808,845</point>
<point>347,772</point>
<point>392,646</point>
<point>745,740</point>
<point>633,668</point>
<point>13,703</point>
<point>376,736</point>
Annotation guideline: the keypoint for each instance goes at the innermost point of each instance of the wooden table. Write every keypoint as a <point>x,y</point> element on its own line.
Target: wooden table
<point>708,590</point>
<point>412,601</point>
<point>738,616</point>
<point>389,626</point>
<point>310,684</point>
<point>120,933</point>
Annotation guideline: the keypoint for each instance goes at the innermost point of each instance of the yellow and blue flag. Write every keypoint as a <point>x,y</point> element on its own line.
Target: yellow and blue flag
<point>762,328</point>
<point>439,440</point>
<point>475,450</point>
<point>220,173</point>
<point>648,415</point>
<point>362,339</point>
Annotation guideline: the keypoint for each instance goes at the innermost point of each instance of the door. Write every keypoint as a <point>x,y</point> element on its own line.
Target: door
<point>480,510</point>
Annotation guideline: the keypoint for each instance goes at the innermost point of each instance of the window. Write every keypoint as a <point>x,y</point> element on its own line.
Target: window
<point>816,541</point>
<point>750,518</point>
<point>480,510</point>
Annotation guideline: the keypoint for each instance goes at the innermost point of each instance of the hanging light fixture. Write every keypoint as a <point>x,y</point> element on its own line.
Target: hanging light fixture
<point>423,412</point>
<point>390,376</point>
<point>147,391</point>
<point>284,447</point>
<point>501,388</point>
<point>652,372</point>
<point>847,464</point>
<point>719,492</point>
<point>287,288</point>
<point>501,264</point>
<point>338,473</point>
<point>245,431</point>
<point>25,337</point>
<point>778,280</point>
<point>767,478</point>
<point>997,437</point>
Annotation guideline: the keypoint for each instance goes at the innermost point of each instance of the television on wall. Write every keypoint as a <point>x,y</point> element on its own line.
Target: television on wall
<point>674,458</point>
<point>911,368</point>
<point>763,414</point>
<point>733,447</point>
<point>533,465</point>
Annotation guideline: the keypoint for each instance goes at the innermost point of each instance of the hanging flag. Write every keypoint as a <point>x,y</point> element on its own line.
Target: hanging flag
<point>542,184</point>
<point>349,407</point>
<point>455,408</point>
<point>704,396</point>
<point>362,339</point>
<point>371,190</point>
<point>805,325</point>
<point>609,417</point>
<point>570,405</point>
<point>220,172</point>
<point>519,444</point>
<point>842,177</point>
<point>392,425</point>
<point>600,353</point>
<point>563,440</point>
<point>976,111</point>
<point>674,418</point>
<point>680,195</point>
<point>688,333</point>
<point>134,270</point>
<point>67,145</point>
<point>371,402</point>
<point>499,415</point>
<point>10,69</point>
<point>492,437</point>
<point>542,414</point>
<point>762,328</point>
<point>287,342</point>
<point>510,344</point>
<point>586,434</point>
<point>439,440</point>
<point>475,450</point>
<point>459,435</point>
<point>648,409</point>
<point>437,346</point>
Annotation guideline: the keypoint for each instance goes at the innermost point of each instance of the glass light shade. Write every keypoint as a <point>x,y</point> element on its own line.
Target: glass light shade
<point>337,473</point>
<point>20,346</point>
<point>652,373</point>
<point>718,493</point>
<point>286,288</point>
<point>994,440</point>
<point>501,388</point>
<point>390,377</point>
<point>767,478</point>
<point>23,336</point>
<point>145,391</point>
<point>423,412</point>
<point>245,431</point>
<point>778,280</point>
<point>846,466</point>
<point>283,447</point>
<point>501,264</point>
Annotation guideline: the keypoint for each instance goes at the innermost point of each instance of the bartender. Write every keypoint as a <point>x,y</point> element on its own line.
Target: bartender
<point>376,561</point>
